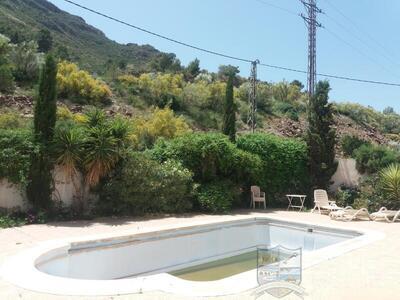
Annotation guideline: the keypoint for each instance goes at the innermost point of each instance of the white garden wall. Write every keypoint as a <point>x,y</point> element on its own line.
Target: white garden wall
<point>12,197</point>
<point>66,190</point>
<point>346,174</point>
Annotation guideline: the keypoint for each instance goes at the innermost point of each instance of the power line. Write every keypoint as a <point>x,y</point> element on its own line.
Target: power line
<point>361,30</point>
<point>359,51</point>
<point>332,76</point>
<point>230,56</point>
<point>158,35</point>
<point>384,55</point>
<point>356,36</point>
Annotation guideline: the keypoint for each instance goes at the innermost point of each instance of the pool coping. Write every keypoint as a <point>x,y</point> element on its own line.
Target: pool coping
<point>21,269</point>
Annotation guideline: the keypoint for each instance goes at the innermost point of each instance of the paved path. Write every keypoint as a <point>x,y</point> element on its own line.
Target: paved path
<point>370,272</point>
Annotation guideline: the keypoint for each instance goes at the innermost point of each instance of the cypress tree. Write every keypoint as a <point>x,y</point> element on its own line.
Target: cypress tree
<point>229,121</point>
<point>321,137</point>
<point>39,188</point>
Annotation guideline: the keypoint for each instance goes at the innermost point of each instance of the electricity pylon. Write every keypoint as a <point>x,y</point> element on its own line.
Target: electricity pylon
<point>252,96</point>
<point>311,22</point>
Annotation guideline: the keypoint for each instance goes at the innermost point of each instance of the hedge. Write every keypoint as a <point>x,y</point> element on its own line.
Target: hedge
<point>141,185</point>
<point>16,148</point>
<point>284,163</point>
<point>211,157</point>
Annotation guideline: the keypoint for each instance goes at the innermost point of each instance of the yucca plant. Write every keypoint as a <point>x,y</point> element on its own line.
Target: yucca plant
<point>68,146</point>
<point>95,117</point>
<point>68,149</point>
<point>390,181</point>
<point>100,153</point>
<point>120,130</point>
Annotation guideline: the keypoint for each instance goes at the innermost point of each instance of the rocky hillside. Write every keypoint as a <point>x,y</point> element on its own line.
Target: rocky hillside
<point>23,19</point>
<point>282,126</point>
<point>344,126</point>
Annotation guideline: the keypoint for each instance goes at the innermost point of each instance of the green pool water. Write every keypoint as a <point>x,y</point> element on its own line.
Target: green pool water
<point>222,268</point>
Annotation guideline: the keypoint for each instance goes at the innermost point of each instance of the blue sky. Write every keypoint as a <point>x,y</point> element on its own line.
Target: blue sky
<point>366,47</point>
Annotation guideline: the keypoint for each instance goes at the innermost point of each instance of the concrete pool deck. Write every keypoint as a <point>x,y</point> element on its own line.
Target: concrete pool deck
<point>369,272</point>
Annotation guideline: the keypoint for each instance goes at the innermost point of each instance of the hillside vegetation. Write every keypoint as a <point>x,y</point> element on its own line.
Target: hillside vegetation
<point>138,77</point>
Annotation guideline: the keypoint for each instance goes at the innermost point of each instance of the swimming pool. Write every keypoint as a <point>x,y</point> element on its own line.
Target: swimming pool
<point>149,261</point>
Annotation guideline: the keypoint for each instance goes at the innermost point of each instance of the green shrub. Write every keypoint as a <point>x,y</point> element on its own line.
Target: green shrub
<point>205,119</point>
<point>16,147</point>
<point>359,113</point>
<point>141,185</point>
<point>391,123</point>
<point>371,195</point>
<point>345,196</point>
<point>19,218</point>
<point>217,197</point>
<point>10,120</point>
<point>7,84</point>
<point>26,62</point>
<point>210,156</point>
<point>350,143</point>
<point>284,162</point>
<point>7,221</point>
<point>286,109</point>
<point>373,158</point>
<point>380,189</point>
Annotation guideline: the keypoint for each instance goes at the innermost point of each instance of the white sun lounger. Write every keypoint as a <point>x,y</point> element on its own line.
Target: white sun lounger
<point>322,202</point>
<point>350,214</point>
<point>384,214</point>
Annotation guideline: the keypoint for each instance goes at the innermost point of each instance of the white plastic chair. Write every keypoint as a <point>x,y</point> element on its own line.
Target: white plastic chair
<point>257,196</point>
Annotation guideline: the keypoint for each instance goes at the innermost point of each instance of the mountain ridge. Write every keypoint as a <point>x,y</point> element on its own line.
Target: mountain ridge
<point>89,46</point>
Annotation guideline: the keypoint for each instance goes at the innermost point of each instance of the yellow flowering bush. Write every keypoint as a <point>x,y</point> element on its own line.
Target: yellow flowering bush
<point>75,83</point>
<point>161,123</point>
<point>157,89</point>
<point>63,113</point>
<point>128,79</point>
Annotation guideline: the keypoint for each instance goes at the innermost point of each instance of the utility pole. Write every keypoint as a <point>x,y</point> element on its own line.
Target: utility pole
<point>252,96</point>
<point>311,22</point>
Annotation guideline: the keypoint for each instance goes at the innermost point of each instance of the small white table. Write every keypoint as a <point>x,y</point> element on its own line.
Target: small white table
<point>290,198</point>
